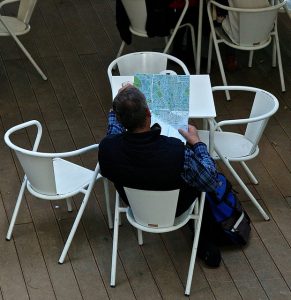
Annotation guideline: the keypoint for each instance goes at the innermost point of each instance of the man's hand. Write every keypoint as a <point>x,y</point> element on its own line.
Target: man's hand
<point>191,135</point>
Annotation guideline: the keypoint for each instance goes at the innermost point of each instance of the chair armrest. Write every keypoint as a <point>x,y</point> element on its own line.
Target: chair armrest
<point>2,3</point>
<point>23,126</point>
<point>237,122</point>
<point>216,125</point>
<point>74,152</point>
<point>248,10</point>
<point>55,154</point>
<point>235,88</point>
<point>37,141</point>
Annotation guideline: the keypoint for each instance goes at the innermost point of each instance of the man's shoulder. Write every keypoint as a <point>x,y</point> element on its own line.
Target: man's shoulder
<point>109,139</point>
<point>172,140</point>
<point>115,139</point>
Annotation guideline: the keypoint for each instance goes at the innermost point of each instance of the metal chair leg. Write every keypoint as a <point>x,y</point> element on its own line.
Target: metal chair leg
<point>27,54</point>
<point>120,49</point>
<point>107,201</point>
<point>244,187</point>
<point>249,173</point>
<point>69,204</point>
<point>280,63</point>
<point>115,242</point>
<point>195,246</point>
<point>16,209</point>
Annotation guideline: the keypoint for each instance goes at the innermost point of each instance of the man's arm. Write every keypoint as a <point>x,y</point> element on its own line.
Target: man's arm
<point>114,127</point>
<point>199,168</point>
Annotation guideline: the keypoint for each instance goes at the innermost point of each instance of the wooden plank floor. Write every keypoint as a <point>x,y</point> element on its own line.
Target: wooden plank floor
<point>74,41</point>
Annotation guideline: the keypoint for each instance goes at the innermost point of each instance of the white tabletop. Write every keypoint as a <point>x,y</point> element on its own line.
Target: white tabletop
<point>201,103</point>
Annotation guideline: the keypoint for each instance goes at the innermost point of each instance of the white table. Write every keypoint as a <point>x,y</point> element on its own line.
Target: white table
<point>201,103</point>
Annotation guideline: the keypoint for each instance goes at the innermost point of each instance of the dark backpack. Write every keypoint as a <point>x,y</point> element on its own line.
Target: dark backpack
<point>228,212</point>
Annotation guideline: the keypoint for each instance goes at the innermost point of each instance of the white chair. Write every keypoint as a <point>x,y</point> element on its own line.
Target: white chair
<point>154,211</point>
<point>19,25</point>
<point>137,14</point>
<point>256,28</point>
<point>145,62</point>
<point>230,146</point>
<point>48,176</point>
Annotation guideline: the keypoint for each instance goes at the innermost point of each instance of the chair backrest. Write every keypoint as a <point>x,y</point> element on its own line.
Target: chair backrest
<point>137,14</point>
<point>249,23</point>
<point>39,172</point>
<point>255,28</point>
<point>145,62</point>
<point>26,8</point>
<point>155,209</point>
<point>37,167</point>
<point>265,104</point>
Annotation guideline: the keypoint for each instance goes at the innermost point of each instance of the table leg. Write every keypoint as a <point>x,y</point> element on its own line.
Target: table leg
<point>205,124</point>
<point>211,138</point>
<point>199,36</point>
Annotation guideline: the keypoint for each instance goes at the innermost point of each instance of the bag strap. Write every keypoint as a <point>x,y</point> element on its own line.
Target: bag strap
<point>227,191</point>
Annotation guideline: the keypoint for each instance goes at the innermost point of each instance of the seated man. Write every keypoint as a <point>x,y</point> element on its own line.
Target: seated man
<point>136,155</point>
<point>231,22</point>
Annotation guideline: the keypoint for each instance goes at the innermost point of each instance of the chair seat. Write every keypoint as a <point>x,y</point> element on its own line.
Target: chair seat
<point>140,32</point>
<point>240,148</point>
<point>17,26</point>
<point>70,177</point>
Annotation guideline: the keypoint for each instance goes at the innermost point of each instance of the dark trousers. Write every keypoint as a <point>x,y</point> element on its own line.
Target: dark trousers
<point>210,230</point>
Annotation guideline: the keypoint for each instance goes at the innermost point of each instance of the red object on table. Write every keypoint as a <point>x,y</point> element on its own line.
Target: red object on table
<point>179,4</point>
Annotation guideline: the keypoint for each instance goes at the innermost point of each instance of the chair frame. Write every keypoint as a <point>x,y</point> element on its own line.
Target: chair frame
<point>172,35</point>
<point>216,126</point>
<point>195,212</point>
<point>86,189</point>
<point>14,35</point>
<point>216,38</point>
<point>169,57</point>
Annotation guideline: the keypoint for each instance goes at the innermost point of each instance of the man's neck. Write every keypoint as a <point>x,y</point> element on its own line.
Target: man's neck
<point>144,129</point>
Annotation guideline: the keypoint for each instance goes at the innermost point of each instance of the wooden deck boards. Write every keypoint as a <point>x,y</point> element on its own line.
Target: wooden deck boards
<point>74,41</point>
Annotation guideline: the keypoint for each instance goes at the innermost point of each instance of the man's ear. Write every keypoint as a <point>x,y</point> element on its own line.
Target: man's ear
<point>148,112</point>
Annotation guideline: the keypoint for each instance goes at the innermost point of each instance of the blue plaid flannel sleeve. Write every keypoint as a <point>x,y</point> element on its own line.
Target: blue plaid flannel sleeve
<point>199,168</point>
<point>114,127</point>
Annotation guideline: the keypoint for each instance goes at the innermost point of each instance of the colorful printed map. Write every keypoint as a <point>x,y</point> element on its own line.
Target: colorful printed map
<point>167,97</point>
